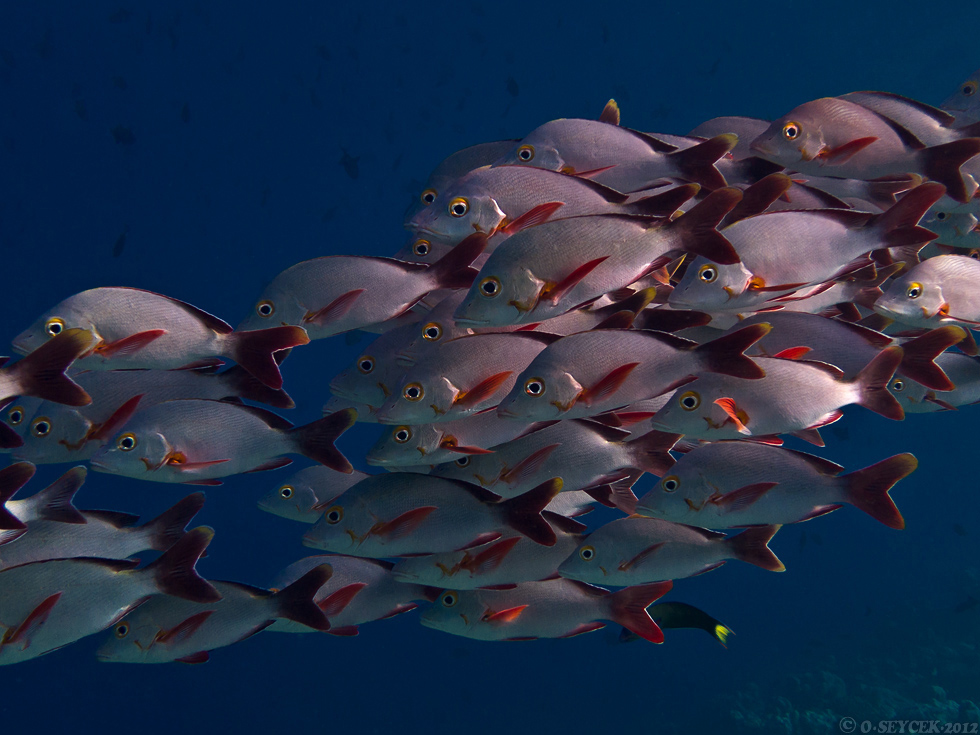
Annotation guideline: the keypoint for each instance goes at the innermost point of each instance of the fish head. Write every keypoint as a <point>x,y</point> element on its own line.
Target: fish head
<point>590,562</point>
<point>69,314</point>
<point>916,299</point>
<point>794,138</point>
<point>539,150</point>
<point>462,210</point>
<point>503,293</point>
<point>914,397</point>
<point>541,394</point>
<point>424,248</point>
<point>405,444</point>
<point>965,100</point>
<point>455,612</point>
<point>435,570</point>
<point>294,499</point>
<point>341,528</point>
<point>18,414</point>
<point>956,228</point>
<point>438,329</point>
<point>56,434</point>
<point>374,374</point>
<point>677,495</point>
<point>690,410</point>
<point>277,306</point>
<point>133,452</point>
<point>709,286</point>
<point>420,399</point>
<point>130,640</point>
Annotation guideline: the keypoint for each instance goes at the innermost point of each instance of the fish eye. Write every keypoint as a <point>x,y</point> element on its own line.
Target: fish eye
<point>490,286</point>
<point>791,130</point>
<point>286,491</point>
<point>690,400</point>
<point>414,392</point>
<point>127,442</point>
<point>458,207</point>
<point>526,153</point>
<point>15,415</point>
<point>428,196</point>
<point>449,599</point>
<point>334,515</point>
<point>670,484</point>
<point>940,216</point>
<point>708,273</point>
<point>54,326</point>
<point>421,247</point>
<point>122,630</point>
<point>431,331</point>
<point>534,387</point>
<point>402,434</point>
<point>41,426</point>
<point>915,291</point>
<point>898,385</point>
<point>587,553</point>
<point>969,89</point>
<point>462,461</point>
<point>975,254</point>
<point>365,364</point>
<point>265,308</point>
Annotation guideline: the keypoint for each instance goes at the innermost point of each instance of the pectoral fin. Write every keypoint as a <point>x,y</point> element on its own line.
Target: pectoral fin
<point>129,345</point>
<point>738,416</point>
<point>482,390</point>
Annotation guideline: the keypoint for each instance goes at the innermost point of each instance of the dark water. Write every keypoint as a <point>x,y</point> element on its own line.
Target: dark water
<point>197,149</point>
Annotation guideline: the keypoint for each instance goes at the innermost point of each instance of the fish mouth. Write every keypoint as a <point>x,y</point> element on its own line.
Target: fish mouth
<point>660,425</point>
<point>99,466</point>
<point>462,321</point>
<point>20,345</point>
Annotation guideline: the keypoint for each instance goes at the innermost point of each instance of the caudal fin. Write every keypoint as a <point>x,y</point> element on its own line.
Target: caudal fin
<point>872,384</point>
<point>942,163</point>
<point>664,204</point>
<point>12,479</point>
<point>869,489</point>
<point>255,351</point>
<point>174,570</point>
<point>242,384</point>
<point>169,527</point>
<point>316,440</point>
<point>54,503</point>
<point>296,601</point>
<point>453,269</point>
<point>651,452</point>
<point>698,226</point>
<point>724,354</point>
<point>920,353</point>
<point>697,163</point>
<point>752,546</point>
<point>628,607</point>
<point>42,373</point>
<point>898,224</point>
<point>523,513</point>
<point>759,197</point>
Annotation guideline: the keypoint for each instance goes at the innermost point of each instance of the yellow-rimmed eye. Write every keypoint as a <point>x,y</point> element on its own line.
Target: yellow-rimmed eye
<point>41,426</point>
<point>15,415</point>
<point>690,400</point>
<point>490,286</point>
<point>428,196</point>
<point>708,273</point>
<point>265,308</point>
<point>413,392</point>
<point>366,364</point>
<point>534,387</point>
<point>286,492</point>
<point>458,207</point>
<point>463,461</point>
<point>449,599</point>
<point>122,630</point>
<point>791,130</point>
<point>401,434</point>
<point>587,553</point>
<point>54,326</point>
<point>969,89</point>
<point>898,385</point>
<point>127,442</point>
<point>526,153</point>
<point>432,331</point>
<point>334,515</point>
<point>915,290</point>
<point>670,484</point>
<point>422,247</point>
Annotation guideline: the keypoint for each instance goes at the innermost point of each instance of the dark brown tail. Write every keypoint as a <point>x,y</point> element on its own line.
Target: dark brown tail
<point>523,513</point>
<point>752,546</point>
<point>698,226</point>
<point>453,269</point>
<point>174,570</point>
<point>697,163</point>
<point>873,381</point>
<point>255,351</point>
<point>42,373</point>
<point>869,489</point>
<point>316,440</point>
<point>759,197</point>
<point>942,163</point>
<point>725,354</point>
<point>170,526</point>
<point>651,452</point>
<point>296,601</point>
<point>899,223</point>
<point>920,353</point>
<point>628,608</point>
<point>242,384</point>
<point>54,503</point>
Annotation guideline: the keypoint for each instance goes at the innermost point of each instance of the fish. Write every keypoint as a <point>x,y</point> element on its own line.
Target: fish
<point>196,441</point>
<point>375,374</point>
<point>555,608</point>
<point>140,329</point>
<point>166,629</point>
<point>955,228</point>
<point>929,125</point>
<point>963,372</point>
<point>677,615</point>
<point>795,396</point>
<point>49,604</point>
<point>730,484</point>
<point>462,377</point>
<point>604,369</point>
<point>338,293</point>
<point>964,103</point>
<point>403,513</point>
<point>940,290</point>
<point>42,373</point>
<point>53,503</point>
<point>639,550</point>
<point>305,495</point>
<point>832,136</point>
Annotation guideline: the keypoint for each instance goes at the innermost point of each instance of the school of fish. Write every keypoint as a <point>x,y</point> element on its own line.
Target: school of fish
<point>571,312</point>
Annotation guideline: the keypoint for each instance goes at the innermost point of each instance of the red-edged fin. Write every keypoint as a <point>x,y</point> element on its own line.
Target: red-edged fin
<point>195,466</point>
<point>820,510</point>
<point>489,558</point>
<point>174,570</point>
<point>709,568</point>
<point>296,603</point>
<point>206,364</point>
<point>931,397</point>
<point>129,345</point>
<point>108,428</point>
<point>533,217</point>
<point>335,310</point>
<point>869,489</point>
<point>482,390</point>
<point>968,346</point>
<point>465,450</point>
<point>629,418</point>
<point>651,452</point>
<point>610,113</point>
<point>872,383</point>
<point>555,292</point>
<point>742,498</point>
<point>503,617</point>
<point>843,153</point>
<point>12,479</point>
<point>583,628</point>
<point>9,438</point>
<point>643,555</point>
<point>347,631</point>
<point>32,623</point>
<point>920,353</point>
<point>567,524</point>
<point>620,320</point>
<point>256,351</point>
<point>403,524</point>
<point>593,172</point>
<point>821,465</point>
<point>201,657</point>
<point>725,354</point>
<point>628,607</point>
<point>664,204</point>
<point>897,224</point>
<point>242,384</point>
<point>42,373</point>
<point>183,630</point>
<point>606,386</point>
<point>337,601</point>
<point>697,163</point>
<point>479,540</point>
<point>942,163</point>
<point>316,440</point>
<point>737,415</point>
<point>752,546</point>
<point>528,466</point>
<point>169,527</point>
<point>272,464</point>
<point>454,269</point>
<point>697,226</point>
<point>607,419</point>
<point>810,435</point>
<point>793,353</point>
<point>523,513</point>
<point>758,197</point>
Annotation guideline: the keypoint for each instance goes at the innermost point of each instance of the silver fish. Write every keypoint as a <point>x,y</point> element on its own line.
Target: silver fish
<point>305,495</point>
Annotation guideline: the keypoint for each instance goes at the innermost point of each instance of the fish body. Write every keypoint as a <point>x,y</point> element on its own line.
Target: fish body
<point>302,497</point>
<point>963,372</point>
<point>746,129</point>
<point>940,290</point>
<point>375,374</point>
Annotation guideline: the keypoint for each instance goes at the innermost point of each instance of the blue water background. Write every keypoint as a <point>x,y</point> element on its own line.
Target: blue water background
<point>239,113</point>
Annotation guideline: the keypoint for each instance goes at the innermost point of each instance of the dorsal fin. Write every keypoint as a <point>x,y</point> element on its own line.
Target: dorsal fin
<point>610,113</point>
<point>607,432</point>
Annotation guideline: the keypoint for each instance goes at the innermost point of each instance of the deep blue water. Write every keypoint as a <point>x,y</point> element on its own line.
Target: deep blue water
<point>238,114</point>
